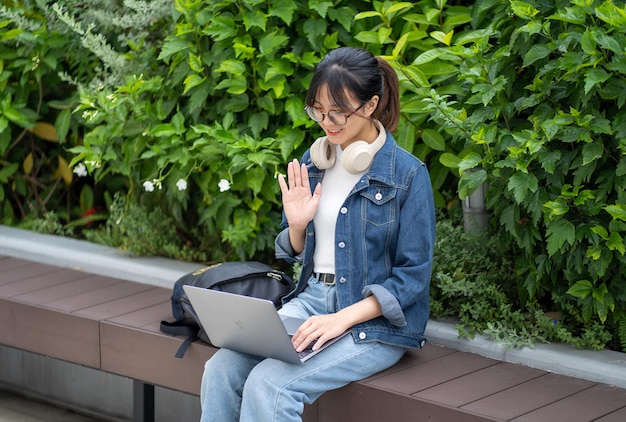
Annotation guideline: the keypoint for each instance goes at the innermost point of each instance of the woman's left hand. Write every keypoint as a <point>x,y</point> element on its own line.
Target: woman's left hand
<point>318,328</point>
<point>321,328</point>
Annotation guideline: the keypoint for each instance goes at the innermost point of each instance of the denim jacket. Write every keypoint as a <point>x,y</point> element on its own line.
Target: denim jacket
<point>384,237</point>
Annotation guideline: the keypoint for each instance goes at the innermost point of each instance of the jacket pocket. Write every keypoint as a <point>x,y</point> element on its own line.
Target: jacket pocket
<point>379,208</point>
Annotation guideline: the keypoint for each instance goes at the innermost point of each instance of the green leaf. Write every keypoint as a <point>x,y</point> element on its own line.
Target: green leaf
<point>556,208</point>
<point>536,52</point>
<point>575,15</point>
<point>232,66</point>
<point>343,15</point>
<point>368,14</point>
<point>254,18</point>
<point>581,289</point>
<point>163,130</point>
<point>470,161</point>
<point>616,243</point>
<point>192,81</point>
<point>7,171</point>
<point>558,234</point>
<point>594,77</point>
<point>520,184</point>
<point>592,152</point>
<point>431,55</point>
<point>617,211</point>
<point>270,42</point>
<point>442,37</point>
<point>611,14</point>
<point>450,160</point>
<point>23,117</point>
<point>173,45</point>
<point>414,74</point>
<point>86,198</point>
<point>434,140</point>
<point>321,7</point>
<point>470,181</point>
<point>588,42</point>
<point>523,9</point>
<point>62,124</point>
<point>314,29</point>
<point>284,10</point>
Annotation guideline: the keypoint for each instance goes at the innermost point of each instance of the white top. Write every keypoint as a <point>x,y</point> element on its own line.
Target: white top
<point>336,185</point>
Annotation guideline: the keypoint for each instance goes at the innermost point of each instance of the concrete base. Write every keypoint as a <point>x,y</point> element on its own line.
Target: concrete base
<point>87,391</point>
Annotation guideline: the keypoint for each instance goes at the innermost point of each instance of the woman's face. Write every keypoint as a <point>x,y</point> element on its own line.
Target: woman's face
<point>359,126</point>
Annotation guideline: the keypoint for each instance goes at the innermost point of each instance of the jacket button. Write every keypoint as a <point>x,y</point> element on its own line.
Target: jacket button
<point>342,280</point>
<point>362,335</point>
<point>341,245</point>
<point>343,210</point>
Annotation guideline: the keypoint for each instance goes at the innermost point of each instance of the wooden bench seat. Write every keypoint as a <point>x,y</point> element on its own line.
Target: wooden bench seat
<point>113,325</point>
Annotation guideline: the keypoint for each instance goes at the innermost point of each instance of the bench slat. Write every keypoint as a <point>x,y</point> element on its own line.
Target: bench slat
<point>110,292</point>
<point>433,372</point>
<point>20,287</point>
<point>479,384</point>
<point>576,408</point>
<point>526,397</point>
<point>62,291</point>
<point>364,403</point>
<point>20,270</point>
<point>146,296</point>
<point>150,357</point>
<point>617,416</point>
<point>50,333</point>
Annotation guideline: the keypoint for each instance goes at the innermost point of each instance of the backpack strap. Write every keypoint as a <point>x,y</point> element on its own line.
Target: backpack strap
<point>178,328</point>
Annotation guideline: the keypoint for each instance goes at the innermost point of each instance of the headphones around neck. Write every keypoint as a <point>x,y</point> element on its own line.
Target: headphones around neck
<point>357,156</point>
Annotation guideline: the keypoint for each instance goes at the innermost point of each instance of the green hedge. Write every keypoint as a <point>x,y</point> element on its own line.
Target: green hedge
<point>161,129</point>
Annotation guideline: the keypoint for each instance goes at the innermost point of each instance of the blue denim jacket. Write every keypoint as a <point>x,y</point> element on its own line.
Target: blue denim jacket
<point>385,235</point>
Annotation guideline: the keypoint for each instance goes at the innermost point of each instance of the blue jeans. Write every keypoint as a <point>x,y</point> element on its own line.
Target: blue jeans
<point>242,387</point>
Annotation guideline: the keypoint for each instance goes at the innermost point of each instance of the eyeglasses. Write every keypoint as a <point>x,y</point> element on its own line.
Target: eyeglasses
<point>337,117</point>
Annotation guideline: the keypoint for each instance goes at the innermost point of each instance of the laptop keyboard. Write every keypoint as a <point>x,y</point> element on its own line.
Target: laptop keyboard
<point>306,351</point>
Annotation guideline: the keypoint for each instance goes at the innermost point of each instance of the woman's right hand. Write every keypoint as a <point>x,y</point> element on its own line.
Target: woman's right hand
<point>299,204</point>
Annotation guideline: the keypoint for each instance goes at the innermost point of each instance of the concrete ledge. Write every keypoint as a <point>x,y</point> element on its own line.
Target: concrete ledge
<point>603,366</point>
<point>91,258</point>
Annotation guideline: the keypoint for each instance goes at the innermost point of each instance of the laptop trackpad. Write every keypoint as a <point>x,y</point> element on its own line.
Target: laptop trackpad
<point>291,324</point>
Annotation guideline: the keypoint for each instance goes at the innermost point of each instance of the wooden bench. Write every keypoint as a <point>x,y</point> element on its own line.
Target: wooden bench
<point>113,325</point>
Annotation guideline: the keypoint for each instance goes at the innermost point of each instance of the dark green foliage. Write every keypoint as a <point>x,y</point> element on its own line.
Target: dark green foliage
<point>189,109</point>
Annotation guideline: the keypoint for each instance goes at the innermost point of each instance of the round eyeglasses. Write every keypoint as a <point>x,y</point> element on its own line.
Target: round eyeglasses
<point>337,117</point>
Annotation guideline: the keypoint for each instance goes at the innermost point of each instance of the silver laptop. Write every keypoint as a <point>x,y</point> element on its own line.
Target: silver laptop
<point>248,324</point>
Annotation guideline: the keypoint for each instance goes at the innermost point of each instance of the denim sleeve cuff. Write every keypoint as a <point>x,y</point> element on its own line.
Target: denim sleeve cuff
<point>392,310</point>
<point>284,249</point>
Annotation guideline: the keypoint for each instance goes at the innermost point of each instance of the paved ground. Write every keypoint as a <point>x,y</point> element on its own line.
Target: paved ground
<point>15,408</point>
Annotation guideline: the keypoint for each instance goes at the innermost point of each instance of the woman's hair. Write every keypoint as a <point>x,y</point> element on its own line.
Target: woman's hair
<point>362,75</point>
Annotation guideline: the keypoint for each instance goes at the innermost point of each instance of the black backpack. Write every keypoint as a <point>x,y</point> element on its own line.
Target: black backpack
<point>249,278</point>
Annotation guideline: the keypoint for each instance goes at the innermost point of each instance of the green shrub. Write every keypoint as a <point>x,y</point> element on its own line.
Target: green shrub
<point>474,284</point>
<point>220,115</point>
<point>540,107</point>
<point>184,114</point>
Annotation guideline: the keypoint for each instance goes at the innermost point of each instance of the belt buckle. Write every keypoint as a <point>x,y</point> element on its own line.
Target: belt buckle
<point>326,279</point>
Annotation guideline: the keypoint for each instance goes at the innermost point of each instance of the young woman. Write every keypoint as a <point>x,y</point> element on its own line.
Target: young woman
<point>359,217</point>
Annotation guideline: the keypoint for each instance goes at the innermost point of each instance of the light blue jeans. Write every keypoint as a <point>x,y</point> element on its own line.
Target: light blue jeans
<point>242,387</point>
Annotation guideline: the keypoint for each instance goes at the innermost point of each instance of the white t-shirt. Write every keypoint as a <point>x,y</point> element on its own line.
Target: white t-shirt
<point>336,185</point>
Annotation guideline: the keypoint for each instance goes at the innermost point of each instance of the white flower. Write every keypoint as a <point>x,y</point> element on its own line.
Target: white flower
<point>80,170</point>
<point>224,185</point>
<point>181,184</point>
<point>148,186</point>
<point>157,183</point>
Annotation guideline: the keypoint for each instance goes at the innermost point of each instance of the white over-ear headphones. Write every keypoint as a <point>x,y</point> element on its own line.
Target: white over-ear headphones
<point>357,156</point>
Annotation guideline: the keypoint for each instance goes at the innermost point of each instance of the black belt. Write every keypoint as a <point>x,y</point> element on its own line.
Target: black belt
<point>327,279</point>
